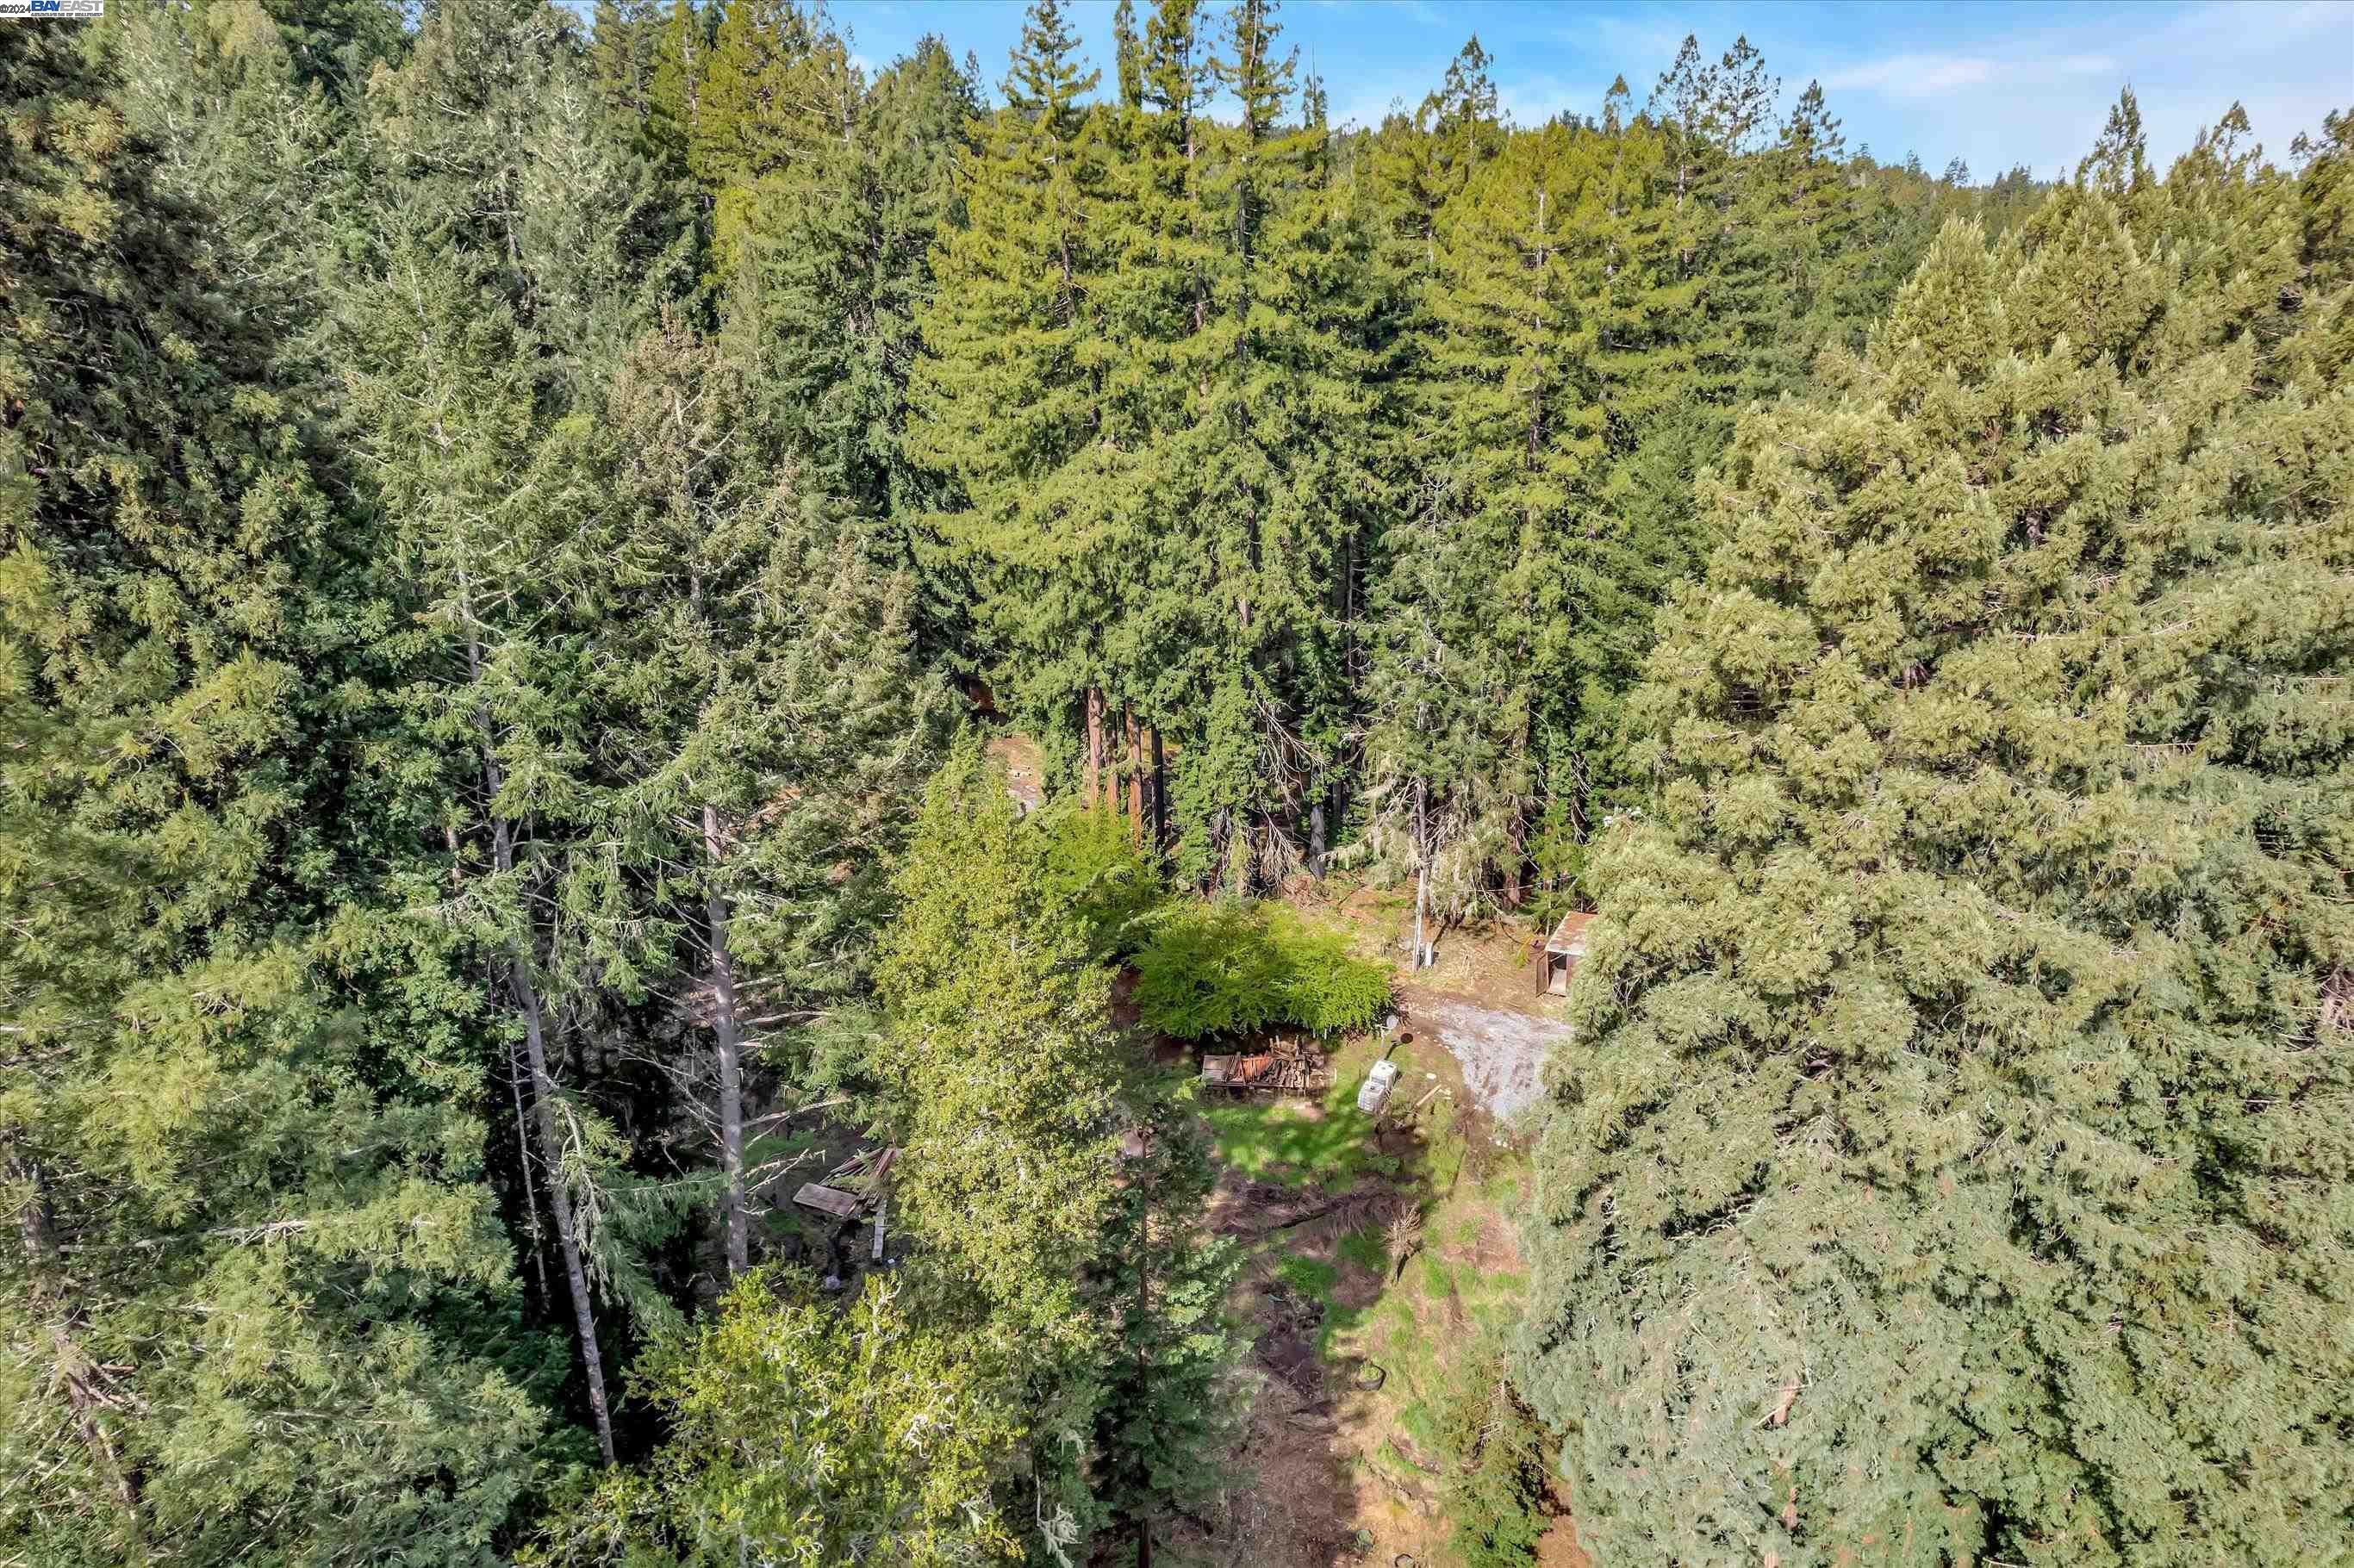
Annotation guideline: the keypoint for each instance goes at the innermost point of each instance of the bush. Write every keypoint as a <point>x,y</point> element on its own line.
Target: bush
<point>1229,969</point>
<point>1096,869</point>
<point>1496,1459</point>
<point>1325,988</point>
<point>1210,969</point>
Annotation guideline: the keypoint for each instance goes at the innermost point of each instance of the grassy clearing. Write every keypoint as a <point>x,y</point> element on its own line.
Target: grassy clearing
<point>1328,1145</point>
<point>1297,1146</point>
<point>1367,1248</point>
<point>1431,1327</point>
<point>1427,1321</point>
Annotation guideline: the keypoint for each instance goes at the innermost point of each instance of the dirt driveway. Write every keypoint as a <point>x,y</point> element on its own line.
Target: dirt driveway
<point>1500,1051</point>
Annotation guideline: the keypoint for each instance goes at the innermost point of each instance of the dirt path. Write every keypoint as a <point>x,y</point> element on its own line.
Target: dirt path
<point>1502,1052</point>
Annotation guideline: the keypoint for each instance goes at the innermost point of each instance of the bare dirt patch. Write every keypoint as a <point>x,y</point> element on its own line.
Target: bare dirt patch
<point>1558,1546</point>
<point>1359,1287</point>
<point>1489,961</point>
<point>1026,774</point>
<point>1502,1052</point>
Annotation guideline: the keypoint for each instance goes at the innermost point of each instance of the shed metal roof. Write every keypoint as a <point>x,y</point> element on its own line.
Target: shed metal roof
<point>1569,937</point>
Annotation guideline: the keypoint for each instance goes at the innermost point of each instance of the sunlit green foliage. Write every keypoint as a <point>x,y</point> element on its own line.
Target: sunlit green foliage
<point>1498,1464</point>
<point>811,1432</point>
<point>496,503</point>
<point>1084,1262</point>
<point>1955,1152</point>
<point>252,1262</point>
<point>1094,864</point>
<point>1229,968</point>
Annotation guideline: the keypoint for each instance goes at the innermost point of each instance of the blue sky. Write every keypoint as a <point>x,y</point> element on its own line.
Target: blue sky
<point>1996,84</point>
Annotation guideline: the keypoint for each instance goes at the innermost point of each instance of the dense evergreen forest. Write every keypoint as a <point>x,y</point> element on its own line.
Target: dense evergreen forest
<point>517,534</point>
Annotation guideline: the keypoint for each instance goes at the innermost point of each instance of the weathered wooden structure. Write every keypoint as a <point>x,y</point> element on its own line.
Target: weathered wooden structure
<point>828,1200</point>
<point>851,1187</point>
<point>1289,1067</point>
<point>1562,951</point>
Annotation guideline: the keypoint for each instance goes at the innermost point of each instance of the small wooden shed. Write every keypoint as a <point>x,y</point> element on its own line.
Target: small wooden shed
<point>851,1188</point>
<point>1562,949</point>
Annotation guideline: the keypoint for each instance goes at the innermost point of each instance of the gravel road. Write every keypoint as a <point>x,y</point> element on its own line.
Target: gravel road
<point>1499,1052</point>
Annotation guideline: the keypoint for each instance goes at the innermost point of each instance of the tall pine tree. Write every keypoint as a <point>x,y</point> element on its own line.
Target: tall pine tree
<point>1959,1162</point>
<point>254,1262</point>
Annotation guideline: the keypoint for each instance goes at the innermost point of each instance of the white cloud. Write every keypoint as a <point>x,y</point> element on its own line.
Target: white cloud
<point>1533,100</point>
<point>1914,75</point>
<point>2244,28</point>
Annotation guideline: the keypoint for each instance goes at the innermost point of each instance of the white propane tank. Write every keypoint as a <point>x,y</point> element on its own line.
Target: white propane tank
<point>1375,1092</point>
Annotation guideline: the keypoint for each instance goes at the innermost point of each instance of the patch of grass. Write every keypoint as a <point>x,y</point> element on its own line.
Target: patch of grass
<point>1420,1422</point>
<point>1443,1158</point>
<point>1309,1277</point>
<point>1274,1140</point>
<point>1464,1229</point>
<point>1367,1248</point>
<point>1329,1146</point>
<point>1390,1456</point>
<point>1501,1190</point>
<point>1428,1319</point>
<point>1318,1281</point>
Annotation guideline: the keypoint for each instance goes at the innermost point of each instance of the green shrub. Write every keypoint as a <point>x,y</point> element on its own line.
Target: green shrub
<point>1229,969</point>
<point>1326,990</point>
<point>1095,868</point>
<point>1209,969</point>
<point>1496,1458</point>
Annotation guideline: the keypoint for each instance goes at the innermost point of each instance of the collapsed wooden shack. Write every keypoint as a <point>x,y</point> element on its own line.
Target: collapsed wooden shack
<point>1562,951</point>
<point>1290,1065</point>
<point>851,1193</point>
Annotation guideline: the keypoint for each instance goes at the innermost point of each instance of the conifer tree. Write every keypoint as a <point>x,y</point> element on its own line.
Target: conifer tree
<point>1419,162</point>
<point>1470,684</point>
<point>777,92</point>
<point>476,322</point>
<point>1922,1190</point>
<point>2325,200</point>
<point>246,136</point>
<point>1004,1099</point>
<point>1015,402</point>
<point>998,1058</point>
<point>1272,466</point>
<point>1087,1262</point>
<point>839,267</point>
<point>1168,1414</point>
<point>623,38</point>
<point>803,1430</point>
<point>447,411</point>
<point>764,715</point>
<point>680,57</point>
<point>252,1249</point>
<point>1128,55</point>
